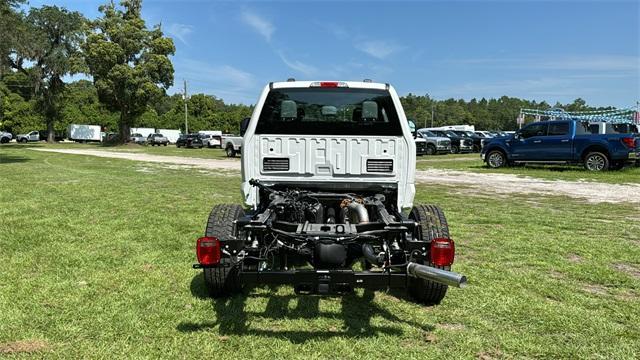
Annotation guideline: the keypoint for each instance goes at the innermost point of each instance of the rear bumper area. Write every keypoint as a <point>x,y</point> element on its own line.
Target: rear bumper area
<point>326,281</point>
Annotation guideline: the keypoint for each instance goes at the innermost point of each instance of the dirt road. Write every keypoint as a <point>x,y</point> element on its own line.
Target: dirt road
<point>483,183</point>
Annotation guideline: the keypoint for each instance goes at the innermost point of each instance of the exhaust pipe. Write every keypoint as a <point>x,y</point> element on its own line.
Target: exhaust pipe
<point>360,211</point>
<point>437,275</point>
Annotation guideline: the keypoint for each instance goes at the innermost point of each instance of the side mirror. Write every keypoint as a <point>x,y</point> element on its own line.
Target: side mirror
<point>244,124</point>
<point>412,127</point>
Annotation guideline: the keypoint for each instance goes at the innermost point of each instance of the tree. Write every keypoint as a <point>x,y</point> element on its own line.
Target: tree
<point>13,29</point>
<point>51,46</point>
<point>129,63</point>
<point>55,53</point>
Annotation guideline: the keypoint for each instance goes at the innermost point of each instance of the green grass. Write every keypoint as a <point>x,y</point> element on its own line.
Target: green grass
<point>473,163</point>
<point>96,254</point>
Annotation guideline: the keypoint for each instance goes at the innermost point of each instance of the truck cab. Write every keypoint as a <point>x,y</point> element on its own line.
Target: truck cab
<point>562,141</point>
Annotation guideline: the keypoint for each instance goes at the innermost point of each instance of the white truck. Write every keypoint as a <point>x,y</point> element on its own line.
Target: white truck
<point>84,133</point>
<point>211,138</point>
<point>232,144</point>
<point>328,172</point>
<point>29,137</point>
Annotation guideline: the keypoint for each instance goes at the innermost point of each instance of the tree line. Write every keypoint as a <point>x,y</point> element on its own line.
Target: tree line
<point>130,70</point>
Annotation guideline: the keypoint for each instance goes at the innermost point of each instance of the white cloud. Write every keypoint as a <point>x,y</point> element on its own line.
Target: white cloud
<point>378,49</point>
<point>305,69</point>
<point>263,26</point>
<point>180,31</point>
<point>225,81</point>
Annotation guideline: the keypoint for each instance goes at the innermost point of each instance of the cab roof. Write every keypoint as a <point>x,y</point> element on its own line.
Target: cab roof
<point>320,83</point>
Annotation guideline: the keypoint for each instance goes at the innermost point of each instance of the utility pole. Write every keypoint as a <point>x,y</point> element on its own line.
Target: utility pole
<point>186,121</point>
<point>431,114</point>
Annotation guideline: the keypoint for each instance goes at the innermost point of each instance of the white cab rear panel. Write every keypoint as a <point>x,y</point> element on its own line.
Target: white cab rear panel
<point>330,161</point>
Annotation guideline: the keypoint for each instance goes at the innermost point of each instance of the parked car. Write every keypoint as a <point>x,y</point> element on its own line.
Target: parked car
<point>137,138</point>
<point>211,141</point>
<point>190,141</point>
<point>435,144</point>
<point>459,144</point>
<point>32,136</point>
<point>232,144</point>
<point>5,137</point>
<point>565,141</point>
<point>157,139</point>
<point>477,140</point>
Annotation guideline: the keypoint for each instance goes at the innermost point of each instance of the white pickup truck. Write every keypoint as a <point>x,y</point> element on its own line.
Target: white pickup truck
<point>328,178</point>
<point>32,136</point>
<point>232,144</point>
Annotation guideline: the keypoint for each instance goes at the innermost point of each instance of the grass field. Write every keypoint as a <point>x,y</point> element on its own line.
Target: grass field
<point>96,254</point>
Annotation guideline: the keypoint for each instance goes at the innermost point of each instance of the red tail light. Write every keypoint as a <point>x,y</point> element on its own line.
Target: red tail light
<point>630,142</point>
<point>442,252</point>
<point>208,250</point>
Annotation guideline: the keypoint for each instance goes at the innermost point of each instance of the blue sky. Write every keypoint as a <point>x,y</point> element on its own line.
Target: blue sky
<point>542,50</point>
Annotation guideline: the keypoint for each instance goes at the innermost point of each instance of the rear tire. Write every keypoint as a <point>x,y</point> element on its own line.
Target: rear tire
<point>596,161</point>
<point>23,140</point>
<point>230,151</point>
<point>455,149</point>
<point>433,224</point>
<point>223,280</point>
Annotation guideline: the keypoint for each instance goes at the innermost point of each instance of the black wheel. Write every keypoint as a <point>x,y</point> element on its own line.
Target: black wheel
<point>433,225</point>
<point>476,148</point>
<point>496,159</point>
<point>23,140</point>
<point>230,152</point>
<point>165,144</point>
<point>223,280</point>
<point>455,149</point>
<point>4,140</point>
<point>596,161</point>
<point>431,149</point>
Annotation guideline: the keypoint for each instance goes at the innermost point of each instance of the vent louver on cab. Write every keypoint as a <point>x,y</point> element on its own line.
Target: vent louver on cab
<point>380,165</point>
<point>275,164</point>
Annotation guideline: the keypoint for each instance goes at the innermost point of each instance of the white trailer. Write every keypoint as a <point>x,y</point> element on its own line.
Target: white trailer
<point>145,132</point>
<point>170,134</point>
<point>82,133</point>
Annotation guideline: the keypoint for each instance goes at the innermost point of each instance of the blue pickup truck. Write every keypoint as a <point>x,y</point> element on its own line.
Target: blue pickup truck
<point>565,141</point>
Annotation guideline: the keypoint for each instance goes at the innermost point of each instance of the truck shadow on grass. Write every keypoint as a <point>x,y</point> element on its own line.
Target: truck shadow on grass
<point>356,314</point>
